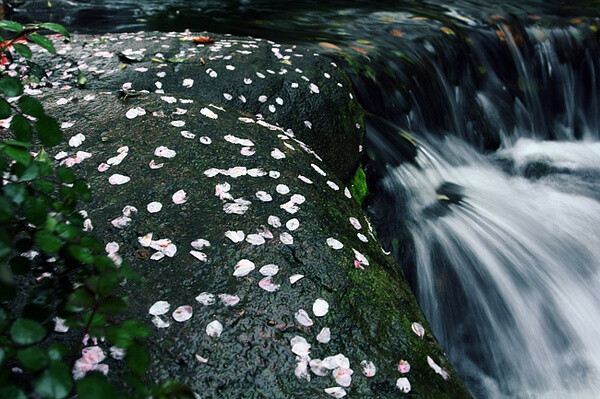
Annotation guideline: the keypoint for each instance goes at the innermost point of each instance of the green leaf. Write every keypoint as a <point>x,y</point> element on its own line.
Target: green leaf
<point>113,305</point>
<point>5,109</point>
<point>82,254</point>
<point>57,351</point>
<point>93,243</point>
<point>2,355</point>
<point>23,49</point>
<point>67,231</point>
<point>81,79</point>
<point>109,280</point>
<point>15,192</point>
<point>136,328</point>
<point>44,186</point>
<point>43,42</point>
<point>55,382</point>
<point>65,175</point>
<point>137,359</point>
<point>83,191</point>
<point>31,106</point>
<point>28,173</point>
<point>11,26</point>
<point>36,211</point>
<point>95,386</point>
<point>27,332</point>
<point>48,131</point>
<point>11,392</point>
<point>19,154</point>
<point>80,299</point>
<point>20,265</point>
<point>21,128</point>
<point>33,358</point>
<point>56,28</point>
<point>47,241</point>
<point>6,210</point>
<point>11,87</point>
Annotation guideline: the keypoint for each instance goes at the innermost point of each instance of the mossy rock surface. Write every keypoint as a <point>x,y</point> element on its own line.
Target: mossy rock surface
<point>371,309</point>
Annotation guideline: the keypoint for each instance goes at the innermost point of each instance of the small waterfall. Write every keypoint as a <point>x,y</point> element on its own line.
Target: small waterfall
<point>507,270</point>
<point>496,197</point>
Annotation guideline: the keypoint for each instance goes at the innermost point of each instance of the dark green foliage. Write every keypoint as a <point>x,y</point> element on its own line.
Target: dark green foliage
<point>51,264</point>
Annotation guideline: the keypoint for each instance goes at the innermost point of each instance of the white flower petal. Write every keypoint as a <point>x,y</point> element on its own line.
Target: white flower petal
<point>320,307</point>
<point>159,308</point>
<point>183,313</point>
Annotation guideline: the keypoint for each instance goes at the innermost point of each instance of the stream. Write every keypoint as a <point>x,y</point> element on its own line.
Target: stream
<point>482,155</point>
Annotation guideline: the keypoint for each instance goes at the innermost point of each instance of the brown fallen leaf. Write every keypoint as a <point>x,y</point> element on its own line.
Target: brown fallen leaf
<point>396,32</point>
<point>361,50</point>
<point>329,46</point>
<point>203,39</point>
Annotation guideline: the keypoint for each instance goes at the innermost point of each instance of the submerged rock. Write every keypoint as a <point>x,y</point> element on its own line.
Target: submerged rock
<point>206,171</point>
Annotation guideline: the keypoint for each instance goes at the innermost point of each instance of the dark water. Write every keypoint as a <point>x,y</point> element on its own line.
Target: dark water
<point>483,128</point>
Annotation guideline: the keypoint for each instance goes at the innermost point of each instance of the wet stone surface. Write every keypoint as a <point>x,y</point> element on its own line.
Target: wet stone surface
<point>292,86</point>
<point>260,275</point>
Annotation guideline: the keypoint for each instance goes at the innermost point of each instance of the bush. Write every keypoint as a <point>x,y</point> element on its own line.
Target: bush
<point>59,290</point>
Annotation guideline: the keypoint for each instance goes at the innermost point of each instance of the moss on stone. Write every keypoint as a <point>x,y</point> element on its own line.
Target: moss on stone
<point>358,185</point>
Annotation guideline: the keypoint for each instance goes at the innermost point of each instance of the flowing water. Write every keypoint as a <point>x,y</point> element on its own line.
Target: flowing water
<point>482,143</point>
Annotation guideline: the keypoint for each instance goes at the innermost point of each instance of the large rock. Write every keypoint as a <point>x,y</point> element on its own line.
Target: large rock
<point>291,86</point>
<point>240,173</point>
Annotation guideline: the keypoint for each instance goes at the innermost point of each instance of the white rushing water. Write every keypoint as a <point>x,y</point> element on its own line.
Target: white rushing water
<point>509,274</point>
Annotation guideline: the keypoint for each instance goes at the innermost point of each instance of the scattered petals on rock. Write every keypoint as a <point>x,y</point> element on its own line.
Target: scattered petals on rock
<point>178,123</point>
<point>368,368</point>
<point>188,83</point>
<point>200,243</point>
<point>292,224</point>
<point>183,313</point>
<point>264,196</point>
<point>159,308</point>
<point>154,165</point>
<point>235,236</point>
<point>267,284</point>
<point>336,392</point>
<point>335,244</point>
<point>277,153</point>
<point>274,221</point>
<point>362,237</point>
<point>247,151</point>
<point>169,99</point>
<point>76,140</point>
<point>59,325</point>
<point>201,256</point>
<point>361,260</point>
<point>403,366</point>
<point>214,329</point>
<point>354,221</point>
<point>159,322</point>
<point>318,170</point>
<point>111,248</point>
<point>300,346</point>
<point>347,193</point>
<point>269,270</point>
<point>243,268</point>
<point>333,186</point>
<point>320,307</point>
<point>208,113</point>
<point>206,298</point>
<point>200,358</point>
<point>403,384</point>
<point>303,318</point>
<point>286,238</point>
<point>305,179</point>
<point>255,239</point>
<point>437,368</point>
<point>205,140</point>
<point>135,112</point>
<point>282,189</point>
<point>418,329</point>
<point>118,179</point>
<point>154,207</point>
<point>121,222</point>
<point>164,152</point>
<point>236,140</point>
<point>324,335</point>
<point>343,376</point>
<point>179,197</point>
<point>294,278</point>
<point>229,300</point>
<point>314,88</point>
